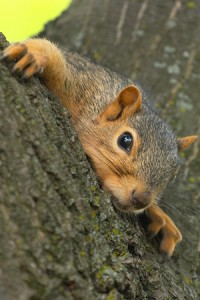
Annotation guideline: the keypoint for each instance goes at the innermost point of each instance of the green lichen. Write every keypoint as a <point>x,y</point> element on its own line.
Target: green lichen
<point>96,227</point>
<point>192,179</point>
<point>119,253</point>
<point>182,110</point>
<point>93,188</point>
<point>82,253</point>
<point>114,295</point>
<point>188,280</point>
<point>97,56</point>
<point>114,234</point>
<point>149,268</point>
<point>104,272</point>
<point>191,4</point>
<point>111,295</point>
<point>89,238</point>
<point>93,214</point>
<point>22,110</point>
<point>81,218</point>
<point>182,154</point>
<point>50,258</point>
<point>96,201</point>
<point>171,103</point>
<point>33,122</point>
<point>116,231</point>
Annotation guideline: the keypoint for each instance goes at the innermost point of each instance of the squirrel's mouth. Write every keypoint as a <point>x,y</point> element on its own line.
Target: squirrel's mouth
<point>124,206</point>
<point>117,204</point>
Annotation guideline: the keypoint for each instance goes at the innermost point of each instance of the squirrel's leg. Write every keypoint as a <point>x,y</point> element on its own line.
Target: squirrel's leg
<point>40,56</point>
<point>159,221</point>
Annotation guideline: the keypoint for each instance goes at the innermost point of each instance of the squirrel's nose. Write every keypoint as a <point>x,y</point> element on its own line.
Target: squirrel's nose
<point>140,200</point>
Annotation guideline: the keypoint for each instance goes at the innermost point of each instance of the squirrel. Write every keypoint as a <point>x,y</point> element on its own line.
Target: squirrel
<point>134,153</point>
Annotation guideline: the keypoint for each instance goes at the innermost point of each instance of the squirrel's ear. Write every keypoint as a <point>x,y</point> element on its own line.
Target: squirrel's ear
<point>184,143</point>
<point>127,103</point>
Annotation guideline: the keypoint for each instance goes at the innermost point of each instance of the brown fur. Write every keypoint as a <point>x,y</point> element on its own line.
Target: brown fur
<point>184,143</point>
<point>104,106</point>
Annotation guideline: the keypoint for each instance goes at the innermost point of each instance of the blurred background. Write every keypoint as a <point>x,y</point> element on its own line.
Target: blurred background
<point>21,19</point>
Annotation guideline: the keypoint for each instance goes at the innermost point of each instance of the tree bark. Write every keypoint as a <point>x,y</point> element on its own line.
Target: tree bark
<point>60,237</point>
<point>156,43</point>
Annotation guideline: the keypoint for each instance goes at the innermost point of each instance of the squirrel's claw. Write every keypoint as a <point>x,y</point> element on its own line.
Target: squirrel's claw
<point>26,61</point>
<point>160,222</point>
<point>171,236</point>
<point>14,51</point>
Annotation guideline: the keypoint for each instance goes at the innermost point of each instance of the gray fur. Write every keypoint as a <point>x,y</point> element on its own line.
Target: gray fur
<point>157,157</point>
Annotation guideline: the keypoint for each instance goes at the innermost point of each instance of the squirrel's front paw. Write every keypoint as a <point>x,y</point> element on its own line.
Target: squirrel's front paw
<point>170,237</point>
<point>27,61</point>
<point>160,222</point>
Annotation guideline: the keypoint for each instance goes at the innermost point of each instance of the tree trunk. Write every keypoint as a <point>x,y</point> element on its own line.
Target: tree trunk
<point>156,43</point>
<point>60,237</point>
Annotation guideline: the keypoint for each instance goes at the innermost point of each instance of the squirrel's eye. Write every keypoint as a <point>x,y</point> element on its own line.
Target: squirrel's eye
<point>125,141</point>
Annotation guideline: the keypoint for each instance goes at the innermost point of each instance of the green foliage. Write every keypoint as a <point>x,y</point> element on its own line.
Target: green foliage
<point>20,19</point>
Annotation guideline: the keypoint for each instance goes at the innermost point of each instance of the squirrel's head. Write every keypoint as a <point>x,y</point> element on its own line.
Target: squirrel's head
<point>134,152</point>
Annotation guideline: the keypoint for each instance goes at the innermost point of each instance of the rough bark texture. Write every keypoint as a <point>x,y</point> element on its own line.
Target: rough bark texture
<point>60,237</point>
